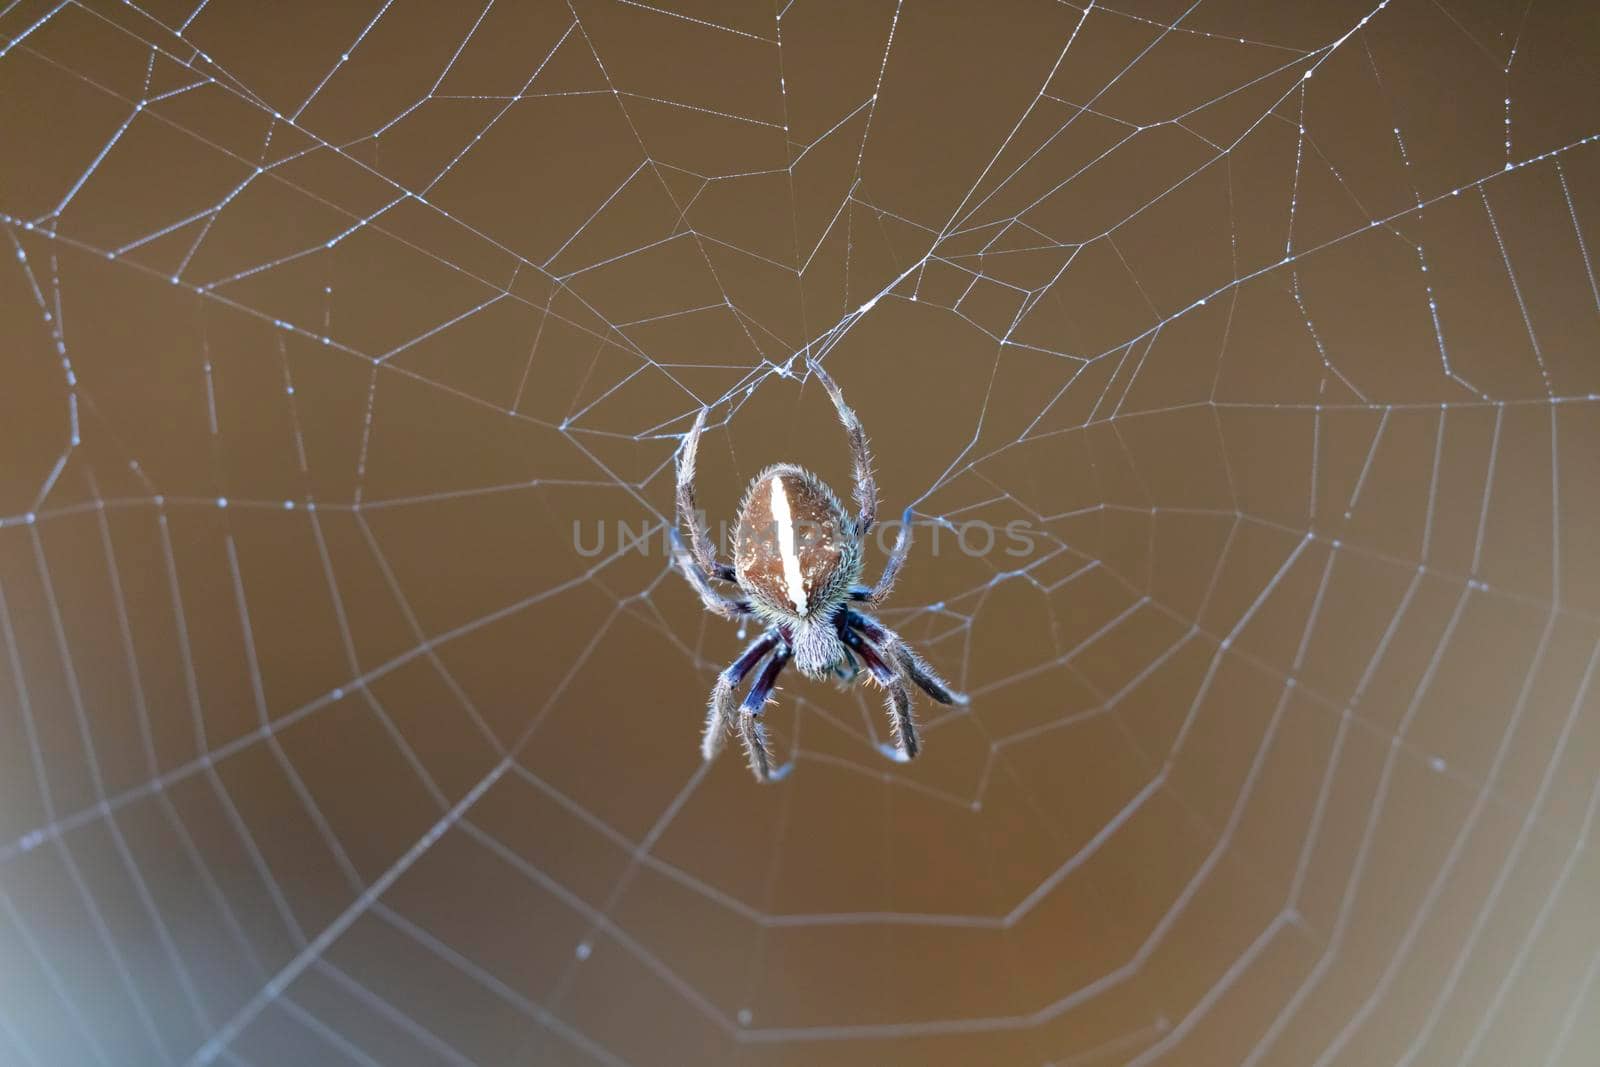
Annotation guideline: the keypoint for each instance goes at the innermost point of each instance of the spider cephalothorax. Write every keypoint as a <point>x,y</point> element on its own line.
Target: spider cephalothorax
<point>797,561</point>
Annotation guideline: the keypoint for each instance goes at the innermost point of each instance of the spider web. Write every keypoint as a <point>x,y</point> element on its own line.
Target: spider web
<point>342,724</point>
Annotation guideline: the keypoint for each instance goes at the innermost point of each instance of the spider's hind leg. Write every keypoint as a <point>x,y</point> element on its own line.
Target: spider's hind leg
<point>866,488</point>
<point>705,553</point>
<point>877,593</point>
<point>713,600</point>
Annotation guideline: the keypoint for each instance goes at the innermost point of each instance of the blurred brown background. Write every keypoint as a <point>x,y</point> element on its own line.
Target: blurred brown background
<point>338,726</point>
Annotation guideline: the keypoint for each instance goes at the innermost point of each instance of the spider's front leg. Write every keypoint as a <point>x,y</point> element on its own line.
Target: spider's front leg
<point>719,715</point>
<point>893,648</point>
<point>907,741</point>
<point>750,725</point>
<point>846,671</point>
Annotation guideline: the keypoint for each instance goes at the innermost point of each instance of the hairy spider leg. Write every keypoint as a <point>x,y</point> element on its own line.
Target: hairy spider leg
<point>719,714</point>
<point>913,665</point>
<point>878,593</point>
<point>715,602</point>
<point>705,553</point>
<point>866,489</point>
<point>750,725</point>
<point>846,670</point>
<point>907,743</point>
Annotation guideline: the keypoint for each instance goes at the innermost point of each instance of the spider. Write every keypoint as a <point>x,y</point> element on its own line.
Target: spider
<point>797,562</point>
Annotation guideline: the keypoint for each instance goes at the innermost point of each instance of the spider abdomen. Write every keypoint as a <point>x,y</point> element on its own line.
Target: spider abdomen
<point>795,549</point>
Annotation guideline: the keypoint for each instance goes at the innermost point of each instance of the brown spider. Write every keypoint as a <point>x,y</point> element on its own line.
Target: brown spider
<point>797,562</point>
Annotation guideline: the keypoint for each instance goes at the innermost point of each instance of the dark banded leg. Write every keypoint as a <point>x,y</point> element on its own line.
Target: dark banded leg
<point>719,714</point>
<point>907,743</point>
<point>688,511</point>
<point>846,670</point>
<point>866,489</point>
<point>751,728</point>
<point>903,655</point>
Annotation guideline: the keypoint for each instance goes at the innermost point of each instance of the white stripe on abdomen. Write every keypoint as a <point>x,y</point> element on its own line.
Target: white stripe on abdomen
<point>783,518</point>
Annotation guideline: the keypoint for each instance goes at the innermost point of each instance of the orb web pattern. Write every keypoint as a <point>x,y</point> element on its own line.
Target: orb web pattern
<point>1239,364</point>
